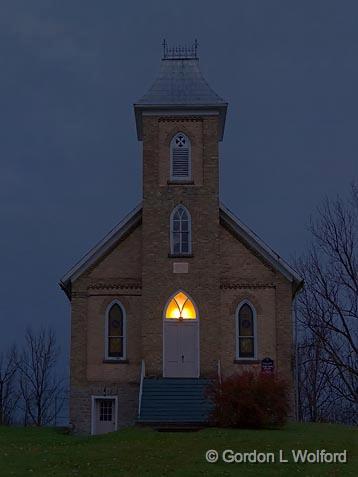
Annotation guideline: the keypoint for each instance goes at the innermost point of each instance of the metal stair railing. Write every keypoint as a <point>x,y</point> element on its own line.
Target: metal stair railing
<point>142,375</point>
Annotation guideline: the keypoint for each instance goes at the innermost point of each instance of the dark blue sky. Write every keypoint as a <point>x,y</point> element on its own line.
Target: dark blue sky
<point>70,163</point>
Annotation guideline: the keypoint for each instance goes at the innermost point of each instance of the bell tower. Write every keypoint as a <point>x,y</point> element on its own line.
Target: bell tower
<point>180,121</point>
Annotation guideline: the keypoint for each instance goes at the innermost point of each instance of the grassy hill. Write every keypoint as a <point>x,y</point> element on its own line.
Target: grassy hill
<point>143,452</point>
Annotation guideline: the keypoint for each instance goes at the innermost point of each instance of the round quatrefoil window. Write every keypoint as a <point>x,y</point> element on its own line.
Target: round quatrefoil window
<point>180,141</point>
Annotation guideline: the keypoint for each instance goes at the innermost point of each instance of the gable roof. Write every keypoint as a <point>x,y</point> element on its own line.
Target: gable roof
<point>134,218</point>
<point>258,245</point>
<point>130,221</point>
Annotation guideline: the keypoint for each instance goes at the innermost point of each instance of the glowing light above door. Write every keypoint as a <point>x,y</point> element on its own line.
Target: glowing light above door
<point>181,308</point>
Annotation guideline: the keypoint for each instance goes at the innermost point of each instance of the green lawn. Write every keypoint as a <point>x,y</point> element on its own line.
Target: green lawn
<point>143,452</point>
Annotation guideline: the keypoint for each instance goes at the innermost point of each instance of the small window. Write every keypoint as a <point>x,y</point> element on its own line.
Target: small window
<point>180,151</point>
<point>115,332</point>
<point>246,340</point>
<point>180,231</point>
<point>106,406</point>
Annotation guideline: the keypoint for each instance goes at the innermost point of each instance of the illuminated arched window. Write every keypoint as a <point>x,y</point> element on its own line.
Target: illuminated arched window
<point>180,231</point>
<point>181,307</point>
<point>115,335</point>
<point>246,331</point>
<point>180,158</point>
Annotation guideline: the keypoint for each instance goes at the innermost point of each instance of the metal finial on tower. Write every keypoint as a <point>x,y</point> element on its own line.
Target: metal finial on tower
<point>180,52</point>
<point>164,47</point>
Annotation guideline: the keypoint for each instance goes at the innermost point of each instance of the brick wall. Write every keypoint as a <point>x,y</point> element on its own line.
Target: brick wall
<point>201,199</point>
<point>244,276</point>
<point>138,272</point>
<point>81,403</point>
<point>115,276</point>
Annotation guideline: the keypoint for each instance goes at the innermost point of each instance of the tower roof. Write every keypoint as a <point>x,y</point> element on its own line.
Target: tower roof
<point>180,86</point>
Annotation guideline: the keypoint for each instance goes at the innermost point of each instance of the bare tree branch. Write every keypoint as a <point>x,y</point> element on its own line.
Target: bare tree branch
<point>38,382</point>
<point>328,309</point>
<point>8,395</point>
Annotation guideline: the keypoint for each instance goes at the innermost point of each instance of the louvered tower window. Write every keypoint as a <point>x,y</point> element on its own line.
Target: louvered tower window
<point>180,158</point>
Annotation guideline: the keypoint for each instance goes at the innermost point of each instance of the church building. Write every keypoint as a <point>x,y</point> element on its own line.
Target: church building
<point>180,292</point>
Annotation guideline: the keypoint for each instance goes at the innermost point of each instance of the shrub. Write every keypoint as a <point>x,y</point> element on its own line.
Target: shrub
<point>254,400</point>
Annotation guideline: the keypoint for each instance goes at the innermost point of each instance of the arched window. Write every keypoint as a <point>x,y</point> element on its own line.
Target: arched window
<point>180,152</point>
<point>115,335</point>
<point>180,231</point>
<point>180,307</point>
<point>246,331</point>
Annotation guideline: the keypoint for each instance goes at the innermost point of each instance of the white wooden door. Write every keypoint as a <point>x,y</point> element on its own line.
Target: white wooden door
<point>105,416</point>
<point>181,349</point>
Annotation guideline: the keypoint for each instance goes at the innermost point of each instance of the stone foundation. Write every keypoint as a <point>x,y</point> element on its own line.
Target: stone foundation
<point>81,404</point>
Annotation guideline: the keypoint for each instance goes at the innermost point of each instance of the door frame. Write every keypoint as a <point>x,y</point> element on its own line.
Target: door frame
<point>93,411</point>
<point>174,320</point>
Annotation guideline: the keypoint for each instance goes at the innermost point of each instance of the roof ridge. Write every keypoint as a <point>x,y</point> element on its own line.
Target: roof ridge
<point>263,248</point>
<point>93,252</point>
<point>133,218</point>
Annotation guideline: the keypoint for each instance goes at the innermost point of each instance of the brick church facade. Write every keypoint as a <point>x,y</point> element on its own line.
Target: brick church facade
<point>181,289</point>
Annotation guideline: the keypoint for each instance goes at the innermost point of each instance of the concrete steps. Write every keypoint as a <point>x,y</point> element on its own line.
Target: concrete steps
<point>180,401</point>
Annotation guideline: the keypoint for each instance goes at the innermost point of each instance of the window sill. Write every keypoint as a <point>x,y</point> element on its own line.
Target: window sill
<point>178,183</point>
<point>181,255</point>
<point>116,361</point>
<point>247,361</point>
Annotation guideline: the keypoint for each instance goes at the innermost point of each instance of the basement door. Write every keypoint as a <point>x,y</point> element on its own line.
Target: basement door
<point>104,415</point>
<point>181,349</point>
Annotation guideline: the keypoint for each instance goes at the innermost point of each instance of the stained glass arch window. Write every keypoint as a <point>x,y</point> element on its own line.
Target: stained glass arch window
<point>180,231</point>
<point>115,332</point>
<point>181,307</point>
<point>246,347</point>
